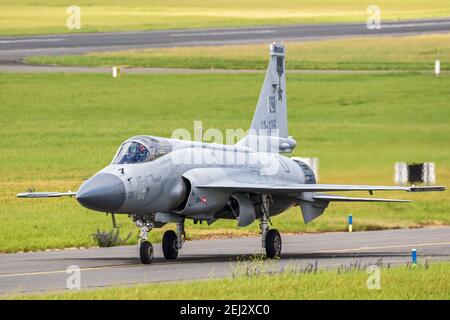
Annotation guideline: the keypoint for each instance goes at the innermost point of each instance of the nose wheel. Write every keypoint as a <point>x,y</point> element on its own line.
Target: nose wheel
<point>146,252</point>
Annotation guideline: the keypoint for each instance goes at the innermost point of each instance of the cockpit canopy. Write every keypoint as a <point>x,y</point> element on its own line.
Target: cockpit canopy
<point>141,149</point>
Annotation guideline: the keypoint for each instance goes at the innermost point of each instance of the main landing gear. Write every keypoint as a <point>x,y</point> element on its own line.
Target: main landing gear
<point>171,243</point>
<point>271,239</point>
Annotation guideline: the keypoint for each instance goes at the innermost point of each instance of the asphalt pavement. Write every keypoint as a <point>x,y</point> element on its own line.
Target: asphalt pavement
<point>14,49</point>
<point>200,259</point>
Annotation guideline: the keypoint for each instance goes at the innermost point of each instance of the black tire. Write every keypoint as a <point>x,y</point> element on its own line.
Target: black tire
<point>146,252</point>
<point>169,245</point>
<point>273,244</point>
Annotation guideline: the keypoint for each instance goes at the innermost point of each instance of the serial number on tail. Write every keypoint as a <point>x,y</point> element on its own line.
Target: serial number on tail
<point>269,125</point>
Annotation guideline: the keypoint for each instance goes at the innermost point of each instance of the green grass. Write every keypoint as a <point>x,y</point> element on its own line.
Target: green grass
<point>381,53</point>
<point>49,16</point>
<point>396,283</point>
<point>58,129</point>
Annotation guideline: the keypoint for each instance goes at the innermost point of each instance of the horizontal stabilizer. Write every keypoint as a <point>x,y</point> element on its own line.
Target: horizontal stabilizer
<point>45,194</point>
<point>329,197</point>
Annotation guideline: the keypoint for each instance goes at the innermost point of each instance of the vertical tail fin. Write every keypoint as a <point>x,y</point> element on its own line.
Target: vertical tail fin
<point>269,129</point>
<point>271,110</point>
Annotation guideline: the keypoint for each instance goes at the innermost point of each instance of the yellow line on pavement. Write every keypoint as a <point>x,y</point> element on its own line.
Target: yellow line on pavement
<point>64,271</point>
<point>387,247</point>
<point>89,269</point>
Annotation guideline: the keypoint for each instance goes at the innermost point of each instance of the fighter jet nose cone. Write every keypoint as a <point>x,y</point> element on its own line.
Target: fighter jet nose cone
<point>103,192</point>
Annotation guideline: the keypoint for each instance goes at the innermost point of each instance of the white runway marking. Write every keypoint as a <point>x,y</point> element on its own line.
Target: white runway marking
<point>220,33</point>
<point>416,24</point>
<point>30,40</point>
<point>386,247</point>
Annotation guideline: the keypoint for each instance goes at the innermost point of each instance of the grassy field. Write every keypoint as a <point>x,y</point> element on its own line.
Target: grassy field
<point>59,129</point>
<point>382,53</point>
<point>396,283</point>
<point>49,16</point>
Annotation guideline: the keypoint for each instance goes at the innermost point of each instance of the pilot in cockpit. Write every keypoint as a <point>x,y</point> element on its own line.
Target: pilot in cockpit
<point>141,154</point>
<point>135,152</point>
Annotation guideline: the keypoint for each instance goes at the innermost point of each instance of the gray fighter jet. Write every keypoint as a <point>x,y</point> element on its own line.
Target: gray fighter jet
<point>160,180</point>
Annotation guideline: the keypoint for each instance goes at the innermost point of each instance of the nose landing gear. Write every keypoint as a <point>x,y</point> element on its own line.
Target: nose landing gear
<point>171,243</point>
<point>145,224</point>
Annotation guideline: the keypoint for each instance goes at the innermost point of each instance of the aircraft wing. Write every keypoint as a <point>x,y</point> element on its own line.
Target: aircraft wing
<point>45,194</point>
<point>296,188</point>
<point>329,197</point>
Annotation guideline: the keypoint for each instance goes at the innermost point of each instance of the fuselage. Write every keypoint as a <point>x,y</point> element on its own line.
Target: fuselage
<point>167,182</point>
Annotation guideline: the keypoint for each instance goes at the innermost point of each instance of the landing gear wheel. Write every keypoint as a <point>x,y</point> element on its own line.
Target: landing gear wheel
<point>273,244</point>
<point>169,245</point>
<point>146,252</point>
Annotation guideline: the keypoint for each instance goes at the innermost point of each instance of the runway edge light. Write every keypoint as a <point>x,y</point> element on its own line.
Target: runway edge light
<point>115,71</point>
<point>437,67</point>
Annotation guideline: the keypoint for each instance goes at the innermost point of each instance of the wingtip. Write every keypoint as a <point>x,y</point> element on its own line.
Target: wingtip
<point>426,188</point>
